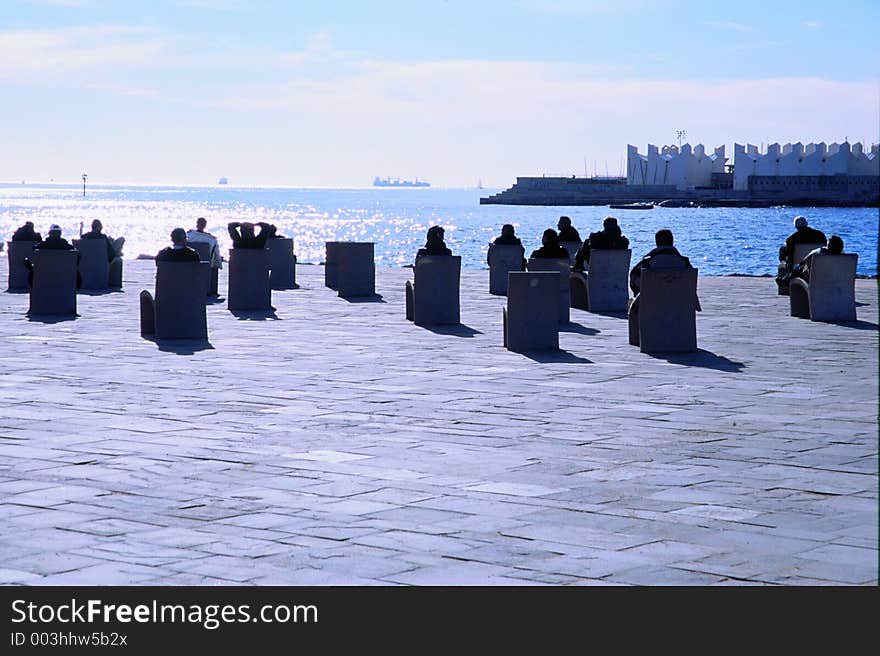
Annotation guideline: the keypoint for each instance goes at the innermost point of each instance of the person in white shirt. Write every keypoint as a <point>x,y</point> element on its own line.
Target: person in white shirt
<point>200,235</point>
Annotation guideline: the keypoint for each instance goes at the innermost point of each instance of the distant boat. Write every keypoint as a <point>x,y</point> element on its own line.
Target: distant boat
<point>397,182</point>
<point>223,181</point>
<point>633,206</point>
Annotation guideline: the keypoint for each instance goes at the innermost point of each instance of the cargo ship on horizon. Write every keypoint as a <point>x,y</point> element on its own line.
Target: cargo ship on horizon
<point>397,182</point>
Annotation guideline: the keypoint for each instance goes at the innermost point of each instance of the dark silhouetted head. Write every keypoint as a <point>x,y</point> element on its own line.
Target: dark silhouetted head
<point>178,236</point>
<point>55,230</point>
<point>97,226</point>
<point>201,223</point>
<point>436,233</point>
<point>550,238</point>
<point>247,229</point>
<point>29,224</point>
<point>609,222</point>
<point>800,222</point>
<point>835,245</point>
<point>663,237</point>
<point>564,222</point>
<point>507,230</point>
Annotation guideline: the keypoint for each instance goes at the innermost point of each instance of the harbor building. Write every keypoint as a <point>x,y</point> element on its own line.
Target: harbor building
<point>684,168</point>
<point>839,175</point>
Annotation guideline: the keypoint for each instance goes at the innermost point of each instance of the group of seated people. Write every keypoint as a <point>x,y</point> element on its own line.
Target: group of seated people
<point>804,234</point>
<point>54,241</point>
<point>243,234</point>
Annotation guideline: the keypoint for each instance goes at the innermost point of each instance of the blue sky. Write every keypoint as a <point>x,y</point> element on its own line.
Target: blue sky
<point>333,93</point>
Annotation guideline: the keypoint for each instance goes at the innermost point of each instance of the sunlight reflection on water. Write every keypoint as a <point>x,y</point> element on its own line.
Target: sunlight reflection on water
<point>718,240</point>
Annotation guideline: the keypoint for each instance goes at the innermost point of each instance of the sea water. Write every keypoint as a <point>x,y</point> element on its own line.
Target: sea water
<point>718,241</point>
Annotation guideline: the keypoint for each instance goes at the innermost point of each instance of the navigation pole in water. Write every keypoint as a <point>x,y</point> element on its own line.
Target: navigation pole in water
<point>85,175</point>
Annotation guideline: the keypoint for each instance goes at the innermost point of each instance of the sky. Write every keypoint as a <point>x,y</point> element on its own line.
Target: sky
<point>333,93</point>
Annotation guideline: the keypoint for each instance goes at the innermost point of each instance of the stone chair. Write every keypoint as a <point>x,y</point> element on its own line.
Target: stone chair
<point>564,293</point>
<point>54,287</point>
<point>503,258</point>
<point>282,263</point>
<point>204,249</point>
<point>93,264</point>
<point>531,321</point>
<point>572,247</point>
<point>830,294</point>
<point>604,288</point>
<point>249,289</point>
<point>179,310</point>
<point>433,296</point>
<point>355,269</point>
<point>800,252</point>
<point>18,275</point>
<point>664,319</point>
<point>331,263</point>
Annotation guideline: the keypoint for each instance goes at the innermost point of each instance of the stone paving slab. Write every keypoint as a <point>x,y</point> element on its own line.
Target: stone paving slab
<point>335,443</point>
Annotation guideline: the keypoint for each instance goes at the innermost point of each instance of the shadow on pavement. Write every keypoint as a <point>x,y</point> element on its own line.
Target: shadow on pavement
<point>701,358</point>
<point>255,316</point>
<point>857,325</point>
<point>375,298</point>
<point>560,356</point>
<point>182,346</point>
<point>572,327</point>
<point>458,330</point>
<point>52,318</point>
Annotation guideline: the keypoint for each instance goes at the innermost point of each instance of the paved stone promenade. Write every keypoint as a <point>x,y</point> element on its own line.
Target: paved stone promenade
<point>340,444</point>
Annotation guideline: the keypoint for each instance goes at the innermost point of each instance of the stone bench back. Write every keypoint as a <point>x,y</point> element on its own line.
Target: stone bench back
<point>203,248</point>
<point>572,247</point>
<point>249,289</point>
<point>93,265</point>
<point>16,251</point>
<point>564,292</point>
<point>830,294</point>
<point>531,318</point>
<point>282,263</point>
<point>433,297</point>
<point>667,310</point>
<point>503,258</point>
<point>355,269</point>
<point>54,288</point>
<point>608,280</point>
<point>180,307</point>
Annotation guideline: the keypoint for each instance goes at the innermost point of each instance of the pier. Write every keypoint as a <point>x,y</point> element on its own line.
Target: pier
<point>335,443</point>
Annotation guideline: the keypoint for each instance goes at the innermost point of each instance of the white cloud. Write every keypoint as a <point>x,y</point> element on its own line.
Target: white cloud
<point>27,52</point>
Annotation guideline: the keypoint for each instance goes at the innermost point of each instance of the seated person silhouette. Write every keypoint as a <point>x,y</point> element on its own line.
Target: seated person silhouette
<point>803,234</point>
<point>54,242</point>
<point>243,235</point>
<point>27,233</point>
<point>178,251</point>
<point>273,233</point>
<point>434,243</point>
<point>201,235</point>
<point>664,241</point>
<point>508,238</point>
<point>95,233</point>
<point>550,247</point>
<point>567,232</point>
<point>802,269</point>
<point>610,237</point>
